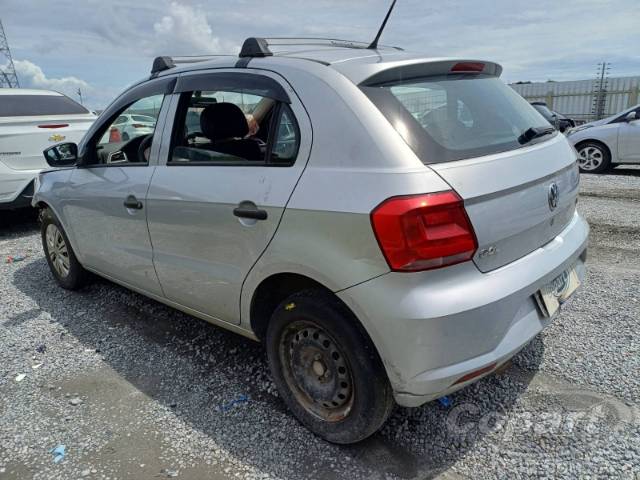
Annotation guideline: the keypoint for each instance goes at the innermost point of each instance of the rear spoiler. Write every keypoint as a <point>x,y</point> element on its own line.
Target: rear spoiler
<point>421,69</point>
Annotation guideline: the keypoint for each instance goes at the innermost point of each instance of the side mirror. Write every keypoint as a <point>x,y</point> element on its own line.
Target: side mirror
<point>62,155</point>
<point>631,116</point>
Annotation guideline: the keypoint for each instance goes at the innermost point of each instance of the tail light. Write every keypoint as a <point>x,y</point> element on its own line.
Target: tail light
<point>422,232</point>
<point>468,67</point>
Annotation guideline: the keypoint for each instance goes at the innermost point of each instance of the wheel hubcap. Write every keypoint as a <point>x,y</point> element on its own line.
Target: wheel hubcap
<point>316,371</point>
<point>590,158</point>
<point>57,250</point>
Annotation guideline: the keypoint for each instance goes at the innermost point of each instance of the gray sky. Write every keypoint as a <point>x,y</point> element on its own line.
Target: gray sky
<point>102,46</point>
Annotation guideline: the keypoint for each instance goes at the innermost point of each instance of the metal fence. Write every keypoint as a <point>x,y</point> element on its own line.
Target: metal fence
<point>575,99</point>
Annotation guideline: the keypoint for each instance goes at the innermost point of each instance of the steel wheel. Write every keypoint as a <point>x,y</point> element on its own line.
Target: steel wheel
<point>316,371</point>
<point>57,250</point>
<point>590,158</point>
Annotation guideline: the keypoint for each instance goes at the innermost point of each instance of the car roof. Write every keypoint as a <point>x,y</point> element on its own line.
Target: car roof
<point>28,91</point>
<point>357,64</point>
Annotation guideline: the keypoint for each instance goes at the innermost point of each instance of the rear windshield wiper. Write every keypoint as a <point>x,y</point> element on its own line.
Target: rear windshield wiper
<point>534,132</point>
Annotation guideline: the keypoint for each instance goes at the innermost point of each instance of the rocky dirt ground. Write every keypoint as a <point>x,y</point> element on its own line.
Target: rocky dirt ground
<point>134,389</point>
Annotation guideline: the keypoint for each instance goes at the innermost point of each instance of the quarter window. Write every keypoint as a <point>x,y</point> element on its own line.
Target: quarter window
<point>233,128</point>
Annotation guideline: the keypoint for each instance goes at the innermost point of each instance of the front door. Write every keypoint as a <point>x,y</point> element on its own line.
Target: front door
<point>106,204</point>
<point>239,146</point>
<point>629,141</point>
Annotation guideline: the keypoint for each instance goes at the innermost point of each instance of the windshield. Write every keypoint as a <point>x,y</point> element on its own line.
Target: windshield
<point>33,105</point>
<point>544,111</point>
<point>454,117</point>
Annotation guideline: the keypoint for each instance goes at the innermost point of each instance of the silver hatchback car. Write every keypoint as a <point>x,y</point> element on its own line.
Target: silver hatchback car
<point>393,227</point>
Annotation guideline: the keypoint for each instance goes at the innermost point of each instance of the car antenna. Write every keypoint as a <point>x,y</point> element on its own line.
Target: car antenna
<point>374,44</point>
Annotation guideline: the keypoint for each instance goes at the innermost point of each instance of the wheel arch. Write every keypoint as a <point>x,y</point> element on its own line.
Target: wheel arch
<point>274,289</point>
<point>599,142</point>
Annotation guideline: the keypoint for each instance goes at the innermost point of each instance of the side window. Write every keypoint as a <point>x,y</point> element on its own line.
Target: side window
<point>127,139</point>
<point>233,128</point>
<point>287,140</point>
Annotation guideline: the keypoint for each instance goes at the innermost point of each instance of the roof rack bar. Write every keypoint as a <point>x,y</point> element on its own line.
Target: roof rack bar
<point>163,63</point>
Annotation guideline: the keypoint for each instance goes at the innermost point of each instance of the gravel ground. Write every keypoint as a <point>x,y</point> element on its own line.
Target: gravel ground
<point>134,389</point>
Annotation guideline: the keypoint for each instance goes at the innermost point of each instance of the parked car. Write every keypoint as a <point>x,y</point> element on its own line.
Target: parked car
<point>391,251</point>
<point>556,119</point>
<point>608,142</point>
<point>30,121</point>
<point>132,125</point>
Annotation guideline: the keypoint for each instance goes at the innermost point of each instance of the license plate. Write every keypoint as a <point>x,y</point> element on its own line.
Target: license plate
<point>557,291</point>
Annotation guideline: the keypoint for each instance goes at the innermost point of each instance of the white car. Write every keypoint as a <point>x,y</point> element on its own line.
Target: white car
<point>133,125</point>
<point>30,121</point>
<point>605,143</point>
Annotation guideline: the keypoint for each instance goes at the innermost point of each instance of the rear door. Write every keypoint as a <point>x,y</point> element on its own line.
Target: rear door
<point>518,177</point>
<point>629,140</point>
<point>105,200</point>
<point>239,143</point>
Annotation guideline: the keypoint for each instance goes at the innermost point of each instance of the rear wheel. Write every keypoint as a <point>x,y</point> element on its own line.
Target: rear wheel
<point>62,261</point>
<point>326,368</point>
<point>593,157</point>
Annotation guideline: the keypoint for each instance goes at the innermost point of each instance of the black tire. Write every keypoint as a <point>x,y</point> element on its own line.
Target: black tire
<point>75,275</point>
<point>353,368</point>
<point>592,149</point>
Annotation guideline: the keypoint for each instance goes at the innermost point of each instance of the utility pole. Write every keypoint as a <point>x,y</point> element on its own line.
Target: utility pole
<point>8,76</point>
<point>600,90</point>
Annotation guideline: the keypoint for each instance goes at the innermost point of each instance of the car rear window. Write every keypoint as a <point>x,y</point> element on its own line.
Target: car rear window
<point>452,117</point>
<point>34,105</point>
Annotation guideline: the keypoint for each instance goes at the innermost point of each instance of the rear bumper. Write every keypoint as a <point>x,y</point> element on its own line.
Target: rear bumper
<point>16,187</point>
<point>433,328</point>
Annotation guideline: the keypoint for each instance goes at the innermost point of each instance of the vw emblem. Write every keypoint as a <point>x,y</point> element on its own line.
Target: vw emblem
<point>554,195</point>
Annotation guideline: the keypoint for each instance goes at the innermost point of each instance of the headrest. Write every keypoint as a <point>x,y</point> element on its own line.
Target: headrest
<point>223,120</point>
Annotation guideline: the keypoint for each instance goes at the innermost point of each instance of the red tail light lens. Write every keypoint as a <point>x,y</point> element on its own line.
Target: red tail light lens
<point>468,67</point>
<point>422,232</point>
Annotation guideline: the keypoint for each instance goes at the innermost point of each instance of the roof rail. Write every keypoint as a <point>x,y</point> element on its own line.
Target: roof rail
<point>161,64</point>
<point>259,47</point>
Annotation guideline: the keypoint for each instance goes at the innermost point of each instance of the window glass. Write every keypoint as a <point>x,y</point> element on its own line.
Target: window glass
<point>454,117</point>
<point>228,128</point>
<point>127,140</point>
<point>33,105</point>
<point>285,145</point>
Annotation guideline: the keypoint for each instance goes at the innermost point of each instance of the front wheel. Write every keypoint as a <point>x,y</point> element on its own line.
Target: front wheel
<point>326,368</point>
<point>593,157</point>
<point>62,261</point>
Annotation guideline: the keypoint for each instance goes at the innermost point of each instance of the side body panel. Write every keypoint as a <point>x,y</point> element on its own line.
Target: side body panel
<point>629,141</point>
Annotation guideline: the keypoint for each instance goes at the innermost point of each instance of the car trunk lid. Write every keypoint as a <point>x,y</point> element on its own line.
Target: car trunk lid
<point>22,139</point>
<point>518,200</point>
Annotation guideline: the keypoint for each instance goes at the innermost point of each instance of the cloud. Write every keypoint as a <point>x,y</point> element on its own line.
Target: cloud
<point>31,75</point>
<point>185,30</point>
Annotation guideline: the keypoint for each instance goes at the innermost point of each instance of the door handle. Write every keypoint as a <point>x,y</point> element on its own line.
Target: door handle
<point>133,203</point>
<point>249,210</point>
